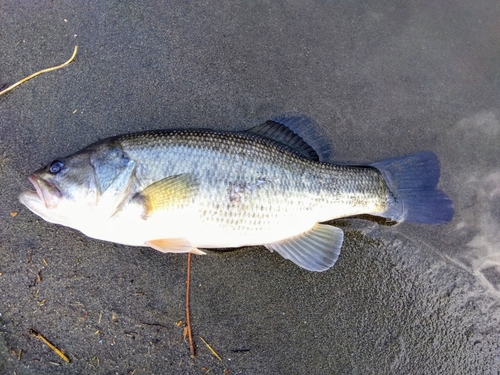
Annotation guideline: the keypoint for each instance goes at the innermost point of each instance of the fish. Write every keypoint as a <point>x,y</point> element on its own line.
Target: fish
<point>184,190</point>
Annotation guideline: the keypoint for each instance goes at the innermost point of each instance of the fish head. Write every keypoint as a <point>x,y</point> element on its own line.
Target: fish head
<point>90,184</point>
<point>63,188</point>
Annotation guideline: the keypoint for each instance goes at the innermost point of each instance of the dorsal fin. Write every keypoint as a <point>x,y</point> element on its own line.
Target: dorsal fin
<point>299,133</point>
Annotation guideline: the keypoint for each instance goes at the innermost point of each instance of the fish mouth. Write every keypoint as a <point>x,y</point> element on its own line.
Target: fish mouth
<point>46,193</point>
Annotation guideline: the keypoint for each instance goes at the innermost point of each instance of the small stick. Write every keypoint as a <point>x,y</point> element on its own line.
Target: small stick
<point>40,72</point>
<point>188,314</point>
<point>50,345</point>
<point>210,348</point>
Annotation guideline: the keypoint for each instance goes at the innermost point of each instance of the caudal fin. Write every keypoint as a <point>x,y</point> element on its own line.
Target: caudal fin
<point>413,179</point>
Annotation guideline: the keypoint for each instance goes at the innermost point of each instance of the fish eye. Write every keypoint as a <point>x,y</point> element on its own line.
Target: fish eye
<point>56,166</point>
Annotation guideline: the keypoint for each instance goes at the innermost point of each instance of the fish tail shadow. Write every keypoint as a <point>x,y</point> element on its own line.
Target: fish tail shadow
<point>412,180</point>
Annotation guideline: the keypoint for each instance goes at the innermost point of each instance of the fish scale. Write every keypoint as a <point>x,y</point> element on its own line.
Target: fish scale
<point>249,184</point>
<point>181,190</point>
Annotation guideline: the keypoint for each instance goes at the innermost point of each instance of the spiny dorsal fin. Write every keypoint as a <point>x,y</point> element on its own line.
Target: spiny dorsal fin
<point>315,250</point>
<point>166,193</point>
<point>299,133</point>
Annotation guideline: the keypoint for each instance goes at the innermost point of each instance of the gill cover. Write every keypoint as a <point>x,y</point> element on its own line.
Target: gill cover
<point>115,179</point>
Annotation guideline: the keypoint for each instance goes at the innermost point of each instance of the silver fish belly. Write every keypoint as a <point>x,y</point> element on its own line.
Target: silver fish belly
<point>180,190</point>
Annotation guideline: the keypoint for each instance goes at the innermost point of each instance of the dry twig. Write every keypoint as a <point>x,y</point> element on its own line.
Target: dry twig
<point>50,345</point>
<point>40,72</point>
<point>211,349</point>
<point>188,314</point>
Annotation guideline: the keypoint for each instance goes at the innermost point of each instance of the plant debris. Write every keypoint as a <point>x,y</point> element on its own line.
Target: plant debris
<point>50,345</point>
<point>40,72</point>
<point>187,331</point>
<point>211,349</point>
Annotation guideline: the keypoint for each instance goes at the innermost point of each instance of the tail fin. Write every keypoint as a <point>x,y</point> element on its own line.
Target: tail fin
<point>412,180</point>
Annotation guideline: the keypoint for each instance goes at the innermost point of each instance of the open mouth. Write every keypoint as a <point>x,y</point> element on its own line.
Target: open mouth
<point>35,183</point>
<point>46,192</point>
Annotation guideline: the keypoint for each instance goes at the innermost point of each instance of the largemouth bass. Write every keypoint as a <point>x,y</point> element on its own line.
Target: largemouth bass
<point>182,190</point>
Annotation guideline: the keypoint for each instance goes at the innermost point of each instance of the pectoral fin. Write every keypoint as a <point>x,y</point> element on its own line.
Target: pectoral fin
<point>315,250</point>
<point>173,245</point>
<point>170,192</point>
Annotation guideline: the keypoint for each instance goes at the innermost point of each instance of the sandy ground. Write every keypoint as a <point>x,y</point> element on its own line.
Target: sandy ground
<point>383,80</point>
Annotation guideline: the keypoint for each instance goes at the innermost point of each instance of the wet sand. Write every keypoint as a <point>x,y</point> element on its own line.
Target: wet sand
<point>382,80</point>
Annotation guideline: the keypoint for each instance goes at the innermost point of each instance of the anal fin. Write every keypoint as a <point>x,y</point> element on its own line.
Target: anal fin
<point>173,245</point>
<point>315,250</point>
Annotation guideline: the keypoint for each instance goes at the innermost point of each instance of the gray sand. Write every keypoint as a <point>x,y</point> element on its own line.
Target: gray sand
<point>383,80</point>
